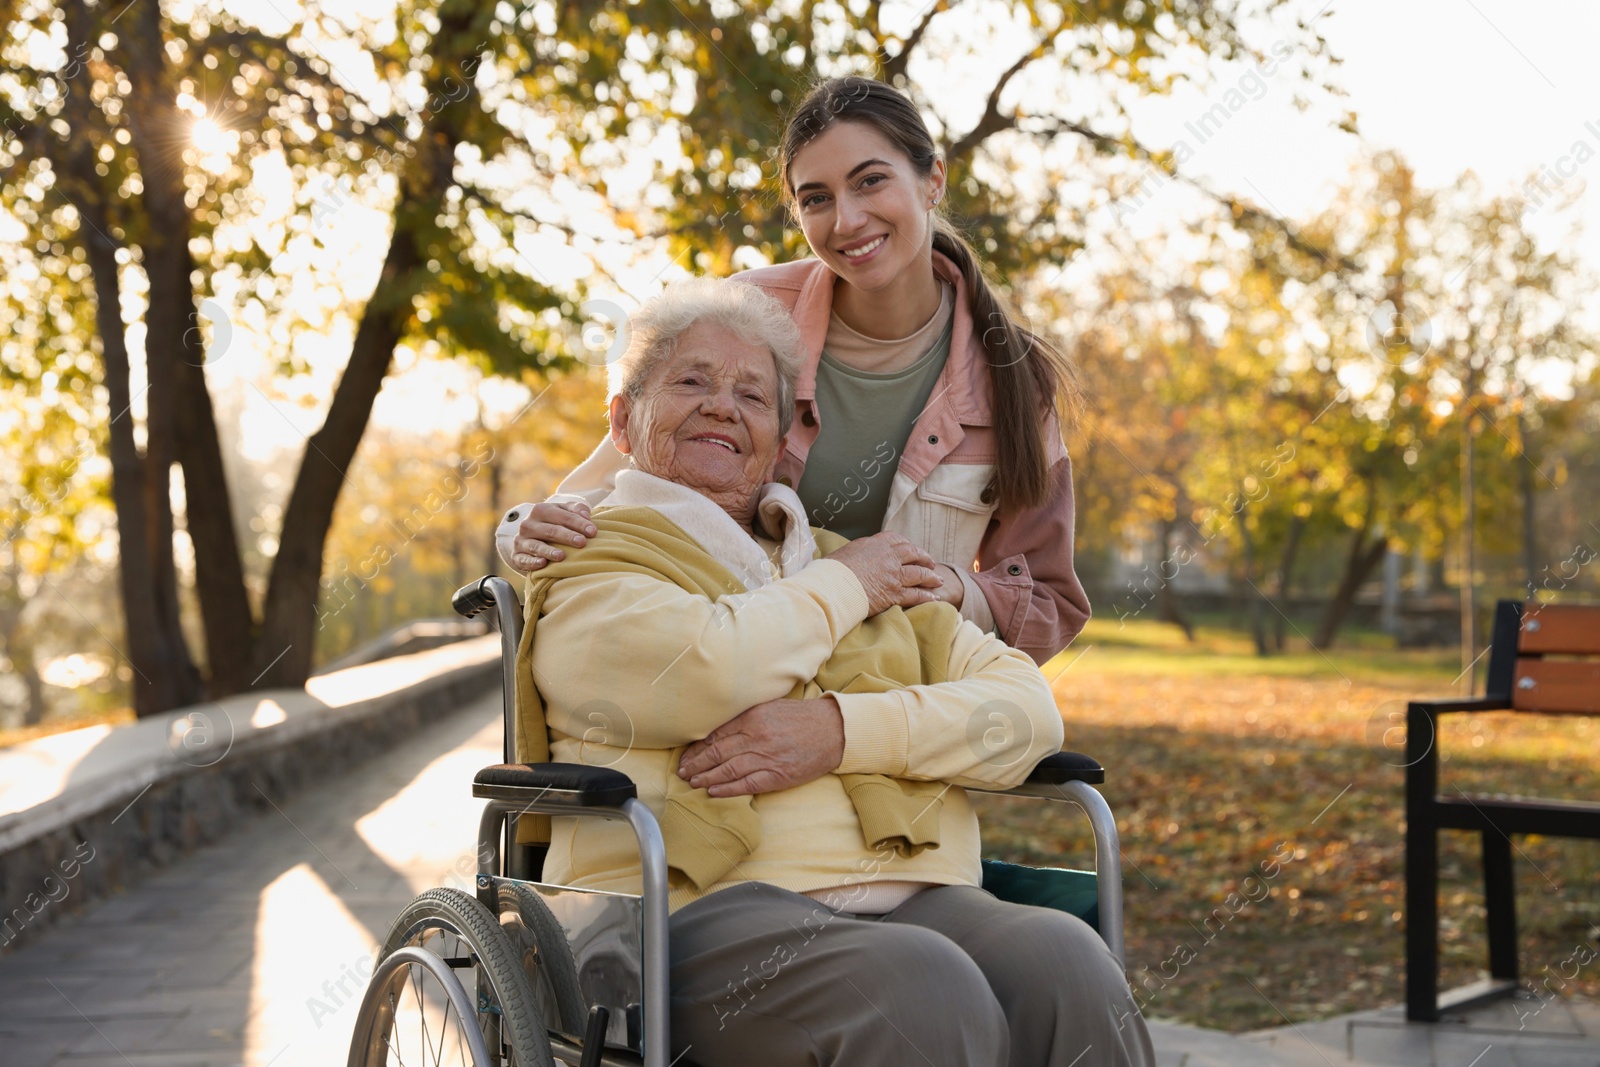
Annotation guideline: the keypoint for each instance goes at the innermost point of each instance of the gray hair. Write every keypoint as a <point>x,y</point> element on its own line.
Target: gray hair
<point>754,316</point>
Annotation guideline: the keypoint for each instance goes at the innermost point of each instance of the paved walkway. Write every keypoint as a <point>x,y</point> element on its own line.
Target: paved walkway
<point>252,951</point>
<point>1521,1033</point>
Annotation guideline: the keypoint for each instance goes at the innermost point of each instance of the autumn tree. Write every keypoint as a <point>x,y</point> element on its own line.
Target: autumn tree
<point>134,135</point>
<point>1468,314</point>
<point>1332,389</point>
<point>52,474</point>
<point>103,166</point>
<point>1208,428</point>
<point>417,518</point>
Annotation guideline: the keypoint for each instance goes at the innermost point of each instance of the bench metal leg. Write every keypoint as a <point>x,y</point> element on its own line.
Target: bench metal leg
<point>1499,896</point>
<point>1422,868</point>
<point>1500,917</point>
<point>1423,1002</point>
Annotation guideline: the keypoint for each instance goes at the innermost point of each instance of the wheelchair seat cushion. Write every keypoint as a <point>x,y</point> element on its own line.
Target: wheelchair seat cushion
<point>1074,892</point>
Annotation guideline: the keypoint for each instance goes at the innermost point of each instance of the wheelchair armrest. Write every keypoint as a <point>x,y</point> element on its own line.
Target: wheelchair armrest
<point>1067,767</point>
<point>1056,770</point>
<point>566,784</point>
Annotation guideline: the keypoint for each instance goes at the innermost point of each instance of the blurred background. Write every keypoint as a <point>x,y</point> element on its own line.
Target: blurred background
<point>298,297</point>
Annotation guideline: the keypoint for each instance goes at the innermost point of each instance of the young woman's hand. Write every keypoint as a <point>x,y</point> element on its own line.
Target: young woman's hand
<point>893,571</point>
<point>951,589</point>
<point>545,527</point>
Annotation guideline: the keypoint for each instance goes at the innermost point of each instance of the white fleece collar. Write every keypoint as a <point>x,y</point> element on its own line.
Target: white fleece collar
<point>779,516</point>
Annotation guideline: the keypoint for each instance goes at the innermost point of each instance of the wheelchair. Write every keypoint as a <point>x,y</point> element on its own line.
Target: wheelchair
<point>521,973</point>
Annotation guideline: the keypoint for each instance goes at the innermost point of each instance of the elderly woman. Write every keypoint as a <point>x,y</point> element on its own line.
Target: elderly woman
<point>802,739</point>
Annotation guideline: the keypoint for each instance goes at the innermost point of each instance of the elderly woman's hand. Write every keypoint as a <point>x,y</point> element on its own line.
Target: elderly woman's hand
<point>892,570</point>
<point>545,526</point>
<point>776,745</point>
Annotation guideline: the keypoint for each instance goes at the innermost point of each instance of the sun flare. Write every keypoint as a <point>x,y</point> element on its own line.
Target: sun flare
<point>207,136</point>
<point>215,143</point>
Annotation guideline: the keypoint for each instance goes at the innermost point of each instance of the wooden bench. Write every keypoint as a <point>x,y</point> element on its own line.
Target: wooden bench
<point>1522,677</point>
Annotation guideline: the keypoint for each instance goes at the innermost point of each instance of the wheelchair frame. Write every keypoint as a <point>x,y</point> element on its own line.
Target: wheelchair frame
<point>511,789</point>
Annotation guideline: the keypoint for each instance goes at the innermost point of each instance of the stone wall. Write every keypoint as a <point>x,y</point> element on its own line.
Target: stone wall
<point>96,837</point>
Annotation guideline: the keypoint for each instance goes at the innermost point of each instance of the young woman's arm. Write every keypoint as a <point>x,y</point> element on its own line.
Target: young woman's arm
<point>592,480</point>
<point>524,537</point>
<point>1026,573</point>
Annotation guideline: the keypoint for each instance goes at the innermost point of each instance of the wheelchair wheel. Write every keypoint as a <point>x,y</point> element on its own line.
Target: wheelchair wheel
<point>546,956</point>
<point>410,1016</point>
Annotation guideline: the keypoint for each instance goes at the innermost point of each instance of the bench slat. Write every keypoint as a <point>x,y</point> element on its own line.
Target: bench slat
<point>1518,815</point>
<point>1556,686</point>
<point>1572,629</point>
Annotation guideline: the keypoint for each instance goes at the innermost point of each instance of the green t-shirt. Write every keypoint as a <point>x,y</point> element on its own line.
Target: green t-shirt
<point>866,419</point>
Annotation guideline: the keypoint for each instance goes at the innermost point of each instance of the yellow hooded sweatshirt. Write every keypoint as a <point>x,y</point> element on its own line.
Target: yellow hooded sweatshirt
<point>898,819</point>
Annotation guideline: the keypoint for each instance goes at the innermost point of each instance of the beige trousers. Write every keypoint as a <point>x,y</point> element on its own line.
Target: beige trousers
<point>763,977</point>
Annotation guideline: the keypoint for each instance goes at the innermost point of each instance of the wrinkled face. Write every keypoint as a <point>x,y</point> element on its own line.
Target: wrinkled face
<point>707,418</point>
<point>863,207</point>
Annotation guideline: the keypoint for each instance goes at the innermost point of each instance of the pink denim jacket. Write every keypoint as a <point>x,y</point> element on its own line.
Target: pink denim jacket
<point>1023,586</point>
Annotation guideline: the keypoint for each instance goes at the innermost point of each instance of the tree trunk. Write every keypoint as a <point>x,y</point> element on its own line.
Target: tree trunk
<point>289,616</point>
<point>21,654</point>
<point>1530,535</point>
<point>288,624</point>
<point>34,715</point>
<point>164,675</point>
<point>1469,528</point>
<point>15,647</point>
<point>1166,598</point>
<point>1358,568</point>
<point>154,137</point>
<point>208,514</point>
<point>491,554</point>
<point>173,342</point>
<point>1291,549</point>
<point>1258,629</point>
<point>23,665</point>
<point>458,536</point>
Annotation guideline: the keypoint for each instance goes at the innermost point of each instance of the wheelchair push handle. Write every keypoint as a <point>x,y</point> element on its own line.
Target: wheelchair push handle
<point>473,599</point>
<point>496,594</point>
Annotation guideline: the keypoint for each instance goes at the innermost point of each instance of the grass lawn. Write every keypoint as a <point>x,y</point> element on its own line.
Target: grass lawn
<point>1219,763</point>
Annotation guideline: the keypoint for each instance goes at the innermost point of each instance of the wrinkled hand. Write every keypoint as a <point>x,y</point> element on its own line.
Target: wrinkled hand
<point>776,745</point>
<point>892,570</point>
<point>546,526</point>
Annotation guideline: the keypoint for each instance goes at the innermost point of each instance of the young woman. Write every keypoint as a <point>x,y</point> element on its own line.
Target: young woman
<point>924,407</point>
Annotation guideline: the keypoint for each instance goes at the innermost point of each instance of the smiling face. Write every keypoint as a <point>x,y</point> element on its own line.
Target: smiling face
<point>862,205</point>
<point>707,418</point>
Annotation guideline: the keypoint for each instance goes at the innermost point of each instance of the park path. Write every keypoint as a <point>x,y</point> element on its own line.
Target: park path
<point>253,951</point>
